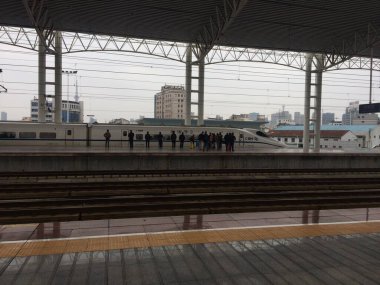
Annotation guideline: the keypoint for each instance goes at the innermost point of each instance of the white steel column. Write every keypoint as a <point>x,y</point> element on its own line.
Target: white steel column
<point>188,86</point>
<point>41,82</point>
<point>370,77</point>
<point>318,102</point>
<point>306,134</point>
<point>201,88</point>
<point>58,79</point>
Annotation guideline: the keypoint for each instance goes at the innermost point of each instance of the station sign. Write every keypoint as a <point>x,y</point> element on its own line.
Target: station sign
<point>369,108</point>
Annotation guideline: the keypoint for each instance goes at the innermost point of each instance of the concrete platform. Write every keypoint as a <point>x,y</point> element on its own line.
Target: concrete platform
<point>96,159</point>
<point>269,253</point>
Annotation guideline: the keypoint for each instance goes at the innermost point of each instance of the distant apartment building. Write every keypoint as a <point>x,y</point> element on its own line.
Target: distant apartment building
<point>75,111</point>
<point>327,118</point>
<point>170,103</point>
<point>352,116</point>
<point>299,119</point>
<point>282,115</point>
<point>4,116</point>
<point>241,117</point>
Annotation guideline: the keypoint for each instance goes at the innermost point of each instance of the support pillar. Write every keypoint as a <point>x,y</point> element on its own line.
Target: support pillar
<point>188,86</point>
<point>58,79</point>
<point>201,87</point>
<point>41,82</point>
<point>318,102</point>
<point>316,106</point>
<point>306,134</point>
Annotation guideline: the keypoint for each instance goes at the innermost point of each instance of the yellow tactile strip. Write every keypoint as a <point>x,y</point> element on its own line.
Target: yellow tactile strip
<point>47,247</point>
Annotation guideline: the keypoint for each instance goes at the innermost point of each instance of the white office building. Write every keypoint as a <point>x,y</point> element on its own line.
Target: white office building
<point>170,103</point>
<point>70,109</point>
<point>352,116</point>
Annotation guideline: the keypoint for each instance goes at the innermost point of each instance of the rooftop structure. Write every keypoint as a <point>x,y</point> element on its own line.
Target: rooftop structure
<point>336,27</point>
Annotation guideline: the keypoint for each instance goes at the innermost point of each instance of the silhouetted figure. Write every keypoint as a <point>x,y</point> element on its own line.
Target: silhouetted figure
<point>107,136</point>
<point>192,140</point>
<point>160,138</point>
<point>173,138</point>
<point>131,136</point>
<point>181,140</point>
<point>147,139</point>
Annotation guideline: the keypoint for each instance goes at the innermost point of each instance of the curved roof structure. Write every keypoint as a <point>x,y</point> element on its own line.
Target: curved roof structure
<point>345,27</point>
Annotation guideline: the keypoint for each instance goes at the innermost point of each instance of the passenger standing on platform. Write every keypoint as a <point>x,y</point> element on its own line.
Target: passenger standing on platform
<point>233,139</point>
<point>226,140</point>
<point>200,141</point>
<point>160,138</point>
<point>131,136</point>
<point>192,140</point>
<point>205,141</point>
<point>219,139</point>
<point>107,136</point>
<point>147,139</point>
<point>173,138</point>
<point>181,140</point>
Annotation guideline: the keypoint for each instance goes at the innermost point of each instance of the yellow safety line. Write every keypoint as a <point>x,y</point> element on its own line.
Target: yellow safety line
<point>48,247</point>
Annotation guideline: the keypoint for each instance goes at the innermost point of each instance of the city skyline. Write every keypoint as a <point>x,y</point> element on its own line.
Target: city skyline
<point>123,85</point>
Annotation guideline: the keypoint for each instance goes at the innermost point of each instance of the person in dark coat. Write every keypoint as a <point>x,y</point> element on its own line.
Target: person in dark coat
<point>173,138</point>
<point>107,136</point>
<point>131,136</point>
<point>181,140</point>
<point>147,139</point>
<point>160,138</point>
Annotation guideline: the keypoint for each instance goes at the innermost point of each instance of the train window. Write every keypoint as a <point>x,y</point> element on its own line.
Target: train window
<point>139,137</point>
<point>27,135</point>
<point>69,132</point>
<point>125,133</point>
<point>7,135</point>
<point>241,136</point>
<point>46,135</point>
<point>261,134</point>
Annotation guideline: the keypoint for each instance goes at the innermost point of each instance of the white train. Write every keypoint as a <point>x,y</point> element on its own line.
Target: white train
<point>50,134</point>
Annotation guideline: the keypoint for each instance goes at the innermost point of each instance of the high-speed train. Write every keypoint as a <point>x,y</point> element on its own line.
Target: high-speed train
<point>50,134</point>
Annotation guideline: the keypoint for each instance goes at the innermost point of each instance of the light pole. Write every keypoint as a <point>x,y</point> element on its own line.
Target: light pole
<point>68,73</point>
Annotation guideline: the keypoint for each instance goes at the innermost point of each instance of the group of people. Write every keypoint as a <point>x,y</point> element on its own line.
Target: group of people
<point>204,141</point>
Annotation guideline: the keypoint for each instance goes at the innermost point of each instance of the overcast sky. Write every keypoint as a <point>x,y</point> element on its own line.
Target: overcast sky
<point>122,85</point>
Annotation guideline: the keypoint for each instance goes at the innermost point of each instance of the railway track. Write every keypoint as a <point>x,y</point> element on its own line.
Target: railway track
<point>160,195</point>
<point>52,175</point>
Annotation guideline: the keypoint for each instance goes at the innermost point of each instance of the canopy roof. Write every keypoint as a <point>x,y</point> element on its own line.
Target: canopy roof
<point>325,26</point>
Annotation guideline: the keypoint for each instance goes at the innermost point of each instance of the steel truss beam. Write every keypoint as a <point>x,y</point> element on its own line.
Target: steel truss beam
<point>38,14</point>
<point>74,42</point>
<point>354,46</point>
<point>218,25</point>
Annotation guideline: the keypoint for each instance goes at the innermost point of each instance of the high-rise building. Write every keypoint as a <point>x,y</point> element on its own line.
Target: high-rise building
<point>282,115</point>
<point>299,119</point>
<point>327,118</point>
<point>352,116</point>
<point>75,111</point>
<point>253,116</point>
<point>170,103</point>
<point>4,116</point>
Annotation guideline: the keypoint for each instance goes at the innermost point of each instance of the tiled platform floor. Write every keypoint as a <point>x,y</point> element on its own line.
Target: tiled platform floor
<point>344,259</point>
<point>175,223</point>
<point>263,250</point>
